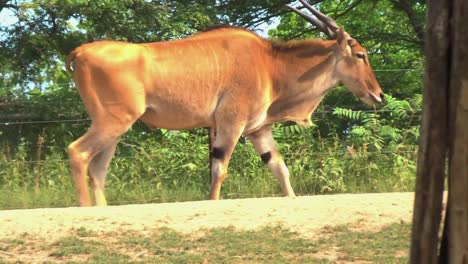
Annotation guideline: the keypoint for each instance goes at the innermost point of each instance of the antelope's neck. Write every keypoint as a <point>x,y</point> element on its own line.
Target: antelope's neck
<point>305,71</point>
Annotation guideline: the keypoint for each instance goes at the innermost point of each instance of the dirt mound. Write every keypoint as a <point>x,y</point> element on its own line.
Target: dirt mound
<point>305,215</point>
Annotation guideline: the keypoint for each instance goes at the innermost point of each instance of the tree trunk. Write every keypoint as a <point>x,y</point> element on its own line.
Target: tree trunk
<point>433,141</point>
<point>457,240</point>
<point>444,134</point>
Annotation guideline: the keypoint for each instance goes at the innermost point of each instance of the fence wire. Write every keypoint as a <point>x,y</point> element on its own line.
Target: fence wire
<point>82,120</point>
<point>45,122</point>
<point>133,157</point>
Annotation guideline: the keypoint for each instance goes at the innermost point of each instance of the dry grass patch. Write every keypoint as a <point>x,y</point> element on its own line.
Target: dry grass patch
<point>272,244</point>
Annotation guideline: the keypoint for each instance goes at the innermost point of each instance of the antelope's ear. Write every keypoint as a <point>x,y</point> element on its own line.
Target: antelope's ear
<point>344,41</point>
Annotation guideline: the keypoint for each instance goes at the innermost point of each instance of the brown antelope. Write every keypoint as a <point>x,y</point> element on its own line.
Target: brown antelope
<point>228,79</point>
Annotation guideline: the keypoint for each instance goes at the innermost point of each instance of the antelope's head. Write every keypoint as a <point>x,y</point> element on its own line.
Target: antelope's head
<point>353,68</point>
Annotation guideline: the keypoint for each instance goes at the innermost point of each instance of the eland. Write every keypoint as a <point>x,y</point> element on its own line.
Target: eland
<point>227,79</point>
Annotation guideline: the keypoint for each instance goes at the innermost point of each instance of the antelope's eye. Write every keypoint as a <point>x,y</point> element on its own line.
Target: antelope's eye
<point>361,55</point>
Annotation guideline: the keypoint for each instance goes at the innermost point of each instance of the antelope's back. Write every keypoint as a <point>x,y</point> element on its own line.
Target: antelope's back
<point>192,77</point>
<point>182,78</point>
<point>208,64</point>
<point>218,53</point>
<point>209,58</point>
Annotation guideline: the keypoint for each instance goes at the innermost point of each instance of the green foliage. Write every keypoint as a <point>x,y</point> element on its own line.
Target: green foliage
<point>384,29</point>
<point>348,149</point>
<point>392,126</point>
<point>173,166</point>
<point>48,30</point>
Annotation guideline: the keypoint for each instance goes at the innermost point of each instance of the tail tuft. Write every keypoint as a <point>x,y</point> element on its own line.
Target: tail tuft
<point>70,61</point>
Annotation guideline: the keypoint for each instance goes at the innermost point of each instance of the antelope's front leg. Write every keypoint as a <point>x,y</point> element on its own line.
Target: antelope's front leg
<point>223,146</point>
<point>266,147</point>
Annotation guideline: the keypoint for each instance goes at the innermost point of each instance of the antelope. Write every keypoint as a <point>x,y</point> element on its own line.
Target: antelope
<point>227,79</point>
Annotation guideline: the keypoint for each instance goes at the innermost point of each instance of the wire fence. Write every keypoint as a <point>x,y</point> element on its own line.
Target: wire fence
<point>344,151</point>
<point>82,120</point>
<point>45,122</point>
<point>133,157</point>
<point>398,70</point>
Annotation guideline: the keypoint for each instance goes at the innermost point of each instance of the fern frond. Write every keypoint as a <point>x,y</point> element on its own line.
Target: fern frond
<point>391,132</point>
<point>360,131</point>
<point>348,113</point>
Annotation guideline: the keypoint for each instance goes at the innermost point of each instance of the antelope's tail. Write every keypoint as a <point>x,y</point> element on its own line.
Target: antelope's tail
<point>70,61</point>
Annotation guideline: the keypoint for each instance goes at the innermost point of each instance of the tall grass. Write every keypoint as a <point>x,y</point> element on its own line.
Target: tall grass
<point>173,166</point>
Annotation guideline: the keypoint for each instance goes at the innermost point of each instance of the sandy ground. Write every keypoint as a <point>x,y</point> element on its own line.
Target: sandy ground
<point>305,215</point>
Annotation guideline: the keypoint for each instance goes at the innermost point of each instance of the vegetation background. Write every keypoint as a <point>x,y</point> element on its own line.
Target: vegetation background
<point>350,147</point>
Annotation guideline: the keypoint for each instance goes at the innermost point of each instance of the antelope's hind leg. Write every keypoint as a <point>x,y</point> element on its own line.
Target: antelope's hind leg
<point>97,172</point>
<point>97,144</point>
<point>265,146</point>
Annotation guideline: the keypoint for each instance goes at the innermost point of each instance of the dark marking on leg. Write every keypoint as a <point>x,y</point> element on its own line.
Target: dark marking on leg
<point>217,153</point>
<point>266,157</point>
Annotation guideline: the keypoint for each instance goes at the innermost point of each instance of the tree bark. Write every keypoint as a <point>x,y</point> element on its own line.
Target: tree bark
<point>444,129</point>
<point>433,141</point>
<point>457,240</point>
